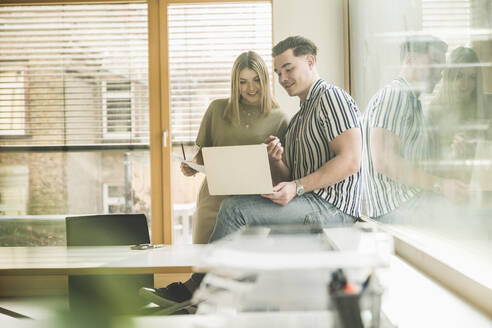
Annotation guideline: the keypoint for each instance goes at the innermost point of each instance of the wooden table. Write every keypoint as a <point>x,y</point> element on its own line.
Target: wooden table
<point>62,260</point>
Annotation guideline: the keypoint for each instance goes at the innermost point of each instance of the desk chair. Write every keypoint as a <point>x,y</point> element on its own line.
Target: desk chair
<point>111,294</point>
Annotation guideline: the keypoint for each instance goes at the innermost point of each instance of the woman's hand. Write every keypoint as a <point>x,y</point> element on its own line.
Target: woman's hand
<point>463,147</point>
<point>274,148</point>
<point>187,171</point>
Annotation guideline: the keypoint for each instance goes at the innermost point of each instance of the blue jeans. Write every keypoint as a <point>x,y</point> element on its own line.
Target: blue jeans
<point>422,209</point>
<point>435,212</point>
<point>253,210</point>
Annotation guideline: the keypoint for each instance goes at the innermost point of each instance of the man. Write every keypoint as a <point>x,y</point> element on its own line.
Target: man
<point>396,138</point>
<point>323,147</point>
<point>320,169</point>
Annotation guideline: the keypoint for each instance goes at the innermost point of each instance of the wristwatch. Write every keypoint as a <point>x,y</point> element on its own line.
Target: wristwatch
<point>299,188</point>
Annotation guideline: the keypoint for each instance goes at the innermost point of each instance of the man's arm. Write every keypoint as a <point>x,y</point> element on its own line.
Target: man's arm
<point>385,151</point>
<point>347,148</point>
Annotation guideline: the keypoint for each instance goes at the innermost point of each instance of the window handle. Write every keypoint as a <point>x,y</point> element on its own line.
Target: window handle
<point>164,138</point>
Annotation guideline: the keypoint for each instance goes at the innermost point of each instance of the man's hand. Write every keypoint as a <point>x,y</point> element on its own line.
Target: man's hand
<point>455,190</point>
<point>274,148</point>
<point>283,193</point>
<point>187,171</point>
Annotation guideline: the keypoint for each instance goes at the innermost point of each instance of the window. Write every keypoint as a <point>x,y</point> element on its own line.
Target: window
<point>446,15</point>
<point>204,40</point>
<point>13,189</point>
<point>85,74</point>
<point>436,106</point>
<point>74,84</point>
<point>113,198</point>
<point>117,109</point>
<point>12,101</point>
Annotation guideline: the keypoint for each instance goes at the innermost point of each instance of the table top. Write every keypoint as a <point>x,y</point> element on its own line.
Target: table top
<point>300,319</point>
<point>62,260</point>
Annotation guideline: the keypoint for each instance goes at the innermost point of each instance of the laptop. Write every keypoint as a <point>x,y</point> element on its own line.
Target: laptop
<point>237,170</point>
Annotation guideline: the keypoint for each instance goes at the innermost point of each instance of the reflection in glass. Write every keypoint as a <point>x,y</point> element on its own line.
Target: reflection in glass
<point>458,112</point>
<point>436,177</point>
<point>395,134</point>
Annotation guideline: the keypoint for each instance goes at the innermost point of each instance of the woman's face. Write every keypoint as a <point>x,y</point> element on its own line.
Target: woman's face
<point>249,87</point>
<point>464,85</point>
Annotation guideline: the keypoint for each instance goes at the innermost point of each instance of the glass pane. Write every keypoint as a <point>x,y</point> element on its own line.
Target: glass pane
<point>74,74</point>
<point>422,70</point>
<point>72,77</point>
<point>204,40</point>
<point>38,190</point>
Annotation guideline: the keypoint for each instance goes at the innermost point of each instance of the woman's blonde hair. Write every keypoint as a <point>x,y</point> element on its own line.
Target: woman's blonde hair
<point>253,61</point>
<point>457,58</point>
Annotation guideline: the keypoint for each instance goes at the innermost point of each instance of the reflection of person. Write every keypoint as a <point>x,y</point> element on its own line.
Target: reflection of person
<point>396,138</point>
<point>457,113</point>
<point>321,165</point>
<point>249,116</point>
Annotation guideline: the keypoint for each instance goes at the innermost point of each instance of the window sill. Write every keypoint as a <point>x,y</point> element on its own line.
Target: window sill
<point>457,270</point>
<point>75,148</point>
<point>15,136</point>
<point>414,300</point>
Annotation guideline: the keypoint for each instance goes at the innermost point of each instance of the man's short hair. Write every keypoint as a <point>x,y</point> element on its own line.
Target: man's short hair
<point>421,44</point>
<point>299,45</point>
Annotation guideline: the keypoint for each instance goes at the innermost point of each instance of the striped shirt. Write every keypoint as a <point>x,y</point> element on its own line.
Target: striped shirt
<point>397,109</point>
<point>327,112</point>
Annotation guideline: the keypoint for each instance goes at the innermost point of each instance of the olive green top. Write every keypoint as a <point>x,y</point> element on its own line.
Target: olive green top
<point>216,130</point>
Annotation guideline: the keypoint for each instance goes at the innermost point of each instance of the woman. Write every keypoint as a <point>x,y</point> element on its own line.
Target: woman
<point>458,112</point>
<point>248,116</point>
<point>460,118</point>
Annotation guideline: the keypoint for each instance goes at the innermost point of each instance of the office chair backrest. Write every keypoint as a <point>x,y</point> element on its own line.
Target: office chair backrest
<point>107,294</point>
<point>107,230</point>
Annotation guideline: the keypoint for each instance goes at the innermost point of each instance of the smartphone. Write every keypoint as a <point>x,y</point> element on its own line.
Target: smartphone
<point>146,246</point>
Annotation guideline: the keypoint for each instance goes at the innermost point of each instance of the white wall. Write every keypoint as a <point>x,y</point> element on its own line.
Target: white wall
<point>319,21</point>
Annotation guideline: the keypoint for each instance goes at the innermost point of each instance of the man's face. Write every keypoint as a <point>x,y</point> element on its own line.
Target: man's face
<point>427,69</point>
<point>295,74</point>
<point>437,60</point>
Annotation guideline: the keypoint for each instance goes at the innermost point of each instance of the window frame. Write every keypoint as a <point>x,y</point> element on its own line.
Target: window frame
<point>165,226</point>
<point>159,105</point>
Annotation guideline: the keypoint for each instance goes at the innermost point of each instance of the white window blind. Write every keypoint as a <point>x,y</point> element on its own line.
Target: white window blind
<point>448,19</point>
<point>204,40</point>
<point>73,75</point>
<point>12,119</point>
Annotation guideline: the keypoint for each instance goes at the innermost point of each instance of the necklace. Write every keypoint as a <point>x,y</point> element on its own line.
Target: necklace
<point>249,114</point>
